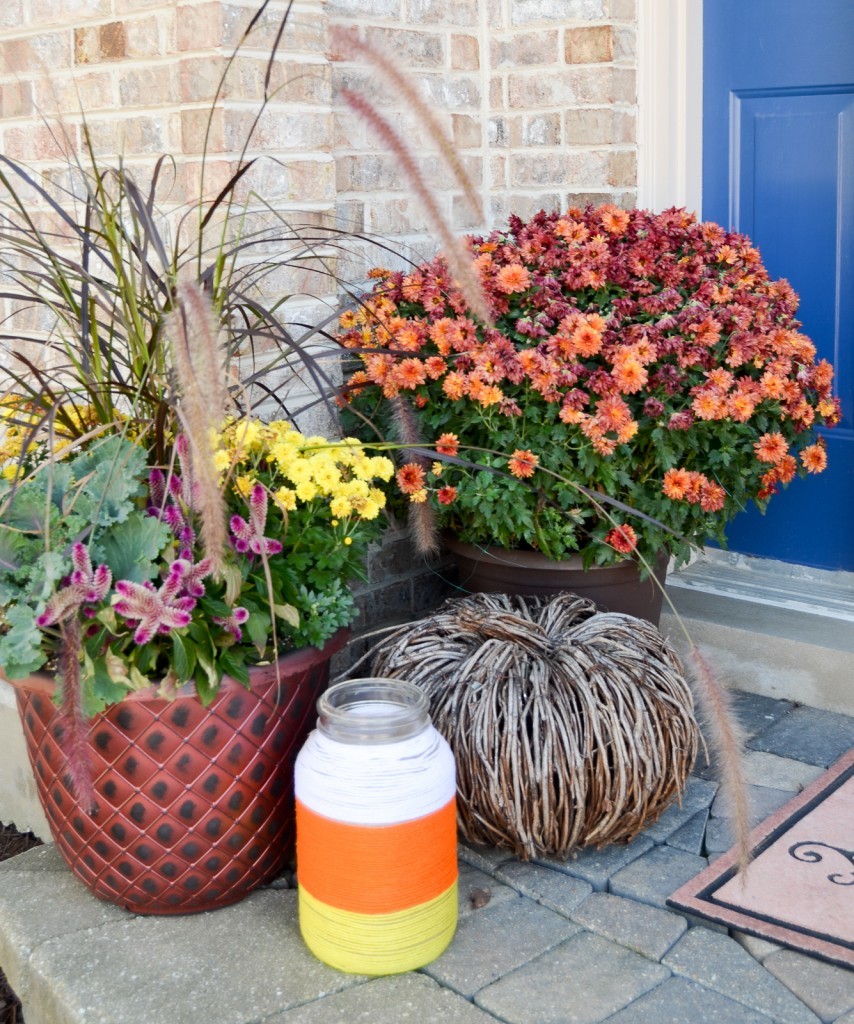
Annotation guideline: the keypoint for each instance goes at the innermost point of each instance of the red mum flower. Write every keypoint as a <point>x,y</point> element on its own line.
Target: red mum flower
<point>447,495</point>
<point>410,478</point>
<point>522,463</point>
<point>622,538</point>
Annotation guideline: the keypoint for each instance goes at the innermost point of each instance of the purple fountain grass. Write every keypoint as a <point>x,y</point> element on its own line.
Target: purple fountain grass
<point>73,716</point>
<point>198,353</point>
<point>422,517</point>
<point>453,250</point>
<point>403,84</point>
<point>728,741</point>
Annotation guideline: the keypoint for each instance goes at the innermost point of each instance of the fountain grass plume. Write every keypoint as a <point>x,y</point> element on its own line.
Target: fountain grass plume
<point>422,517</point>
<point>454,251</point>
<point>74,720</point>
<point>199,360</point>
<point>728,741</point>
<point>348,40</point>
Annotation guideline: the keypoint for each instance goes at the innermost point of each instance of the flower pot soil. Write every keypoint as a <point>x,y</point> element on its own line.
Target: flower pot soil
<point>613,588</point>
<point>195,805</point>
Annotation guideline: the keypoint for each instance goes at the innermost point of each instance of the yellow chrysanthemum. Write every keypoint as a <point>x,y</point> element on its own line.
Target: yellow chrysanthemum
<point>286,498</point>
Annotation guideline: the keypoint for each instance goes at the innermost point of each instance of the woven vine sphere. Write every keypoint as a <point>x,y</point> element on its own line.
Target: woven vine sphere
<point>570,728</point>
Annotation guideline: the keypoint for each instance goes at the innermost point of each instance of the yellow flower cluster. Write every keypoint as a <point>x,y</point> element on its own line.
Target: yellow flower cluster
<point>17,419</point>
<point>298,469</point>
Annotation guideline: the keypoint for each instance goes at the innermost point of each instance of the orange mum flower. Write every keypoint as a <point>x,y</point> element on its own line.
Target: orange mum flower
<point>675,484</point>
<point>786,469</point>
<point>454,385</point>
<point>448,444</point>
<point>614,220</point>
<point>712,497</point>
<point>814,458</point>
<point>410,478</point>
<point>630,376</point>
<point>512,278</point>
<point>447,495</point>
<point>771,448</point>
<point>522,463</point>
<point>410,374</point>
<point>622,538</point>
<point>435,367</point>
<point>587,339</point>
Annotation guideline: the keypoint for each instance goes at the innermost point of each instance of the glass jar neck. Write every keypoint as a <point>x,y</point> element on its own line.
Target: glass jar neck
<point>372,711</point>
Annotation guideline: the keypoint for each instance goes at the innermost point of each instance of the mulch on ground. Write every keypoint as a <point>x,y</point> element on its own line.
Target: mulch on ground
<point>12,842</point>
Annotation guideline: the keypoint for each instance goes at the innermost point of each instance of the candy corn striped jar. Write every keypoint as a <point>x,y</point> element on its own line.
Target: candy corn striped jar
<point>376,830</point>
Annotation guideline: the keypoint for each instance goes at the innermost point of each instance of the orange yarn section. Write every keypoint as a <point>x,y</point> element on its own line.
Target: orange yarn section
<point>377,869</point>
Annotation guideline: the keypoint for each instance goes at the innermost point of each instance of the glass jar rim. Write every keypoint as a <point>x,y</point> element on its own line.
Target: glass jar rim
<point>373,710</point>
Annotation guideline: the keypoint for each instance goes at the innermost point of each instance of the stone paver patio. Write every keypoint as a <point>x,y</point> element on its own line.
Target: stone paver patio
<point>581,941</point>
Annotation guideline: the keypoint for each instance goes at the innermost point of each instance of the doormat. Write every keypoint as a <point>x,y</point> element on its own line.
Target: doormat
<point>799,889</point>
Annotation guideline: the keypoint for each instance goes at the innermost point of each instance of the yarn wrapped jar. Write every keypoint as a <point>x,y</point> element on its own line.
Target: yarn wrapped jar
<point>376,830</point>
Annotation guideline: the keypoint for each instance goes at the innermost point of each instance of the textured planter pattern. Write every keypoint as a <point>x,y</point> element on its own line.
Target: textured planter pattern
<point>195,806</point>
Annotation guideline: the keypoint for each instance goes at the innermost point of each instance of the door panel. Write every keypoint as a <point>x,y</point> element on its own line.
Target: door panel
<point>778,165</point>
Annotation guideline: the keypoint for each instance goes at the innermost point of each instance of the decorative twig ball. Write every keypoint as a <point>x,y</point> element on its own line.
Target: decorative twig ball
<point>570,728</point>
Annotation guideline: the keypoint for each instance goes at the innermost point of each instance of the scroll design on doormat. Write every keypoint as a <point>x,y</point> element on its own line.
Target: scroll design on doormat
<point>808,851</point>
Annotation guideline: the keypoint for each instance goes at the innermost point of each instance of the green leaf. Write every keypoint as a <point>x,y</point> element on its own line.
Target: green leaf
<point>105,688</point>
<point>183,658</point>
<point>20,648</point>
<point>232,664</point>
<point>131,548</point>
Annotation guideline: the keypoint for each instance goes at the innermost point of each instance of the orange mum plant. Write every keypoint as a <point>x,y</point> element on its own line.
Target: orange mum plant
<point>645,358</point>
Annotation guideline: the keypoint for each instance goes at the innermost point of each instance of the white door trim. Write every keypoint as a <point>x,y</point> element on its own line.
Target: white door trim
<point>670,104</point>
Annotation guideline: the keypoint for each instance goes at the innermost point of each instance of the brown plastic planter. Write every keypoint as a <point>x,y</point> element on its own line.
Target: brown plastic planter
<point>617,588</point>
<point>195,805</point>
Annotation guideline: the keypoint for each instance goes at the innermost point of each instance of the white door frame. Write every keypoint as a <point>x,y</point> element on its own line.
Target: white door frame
<point>670,104</point>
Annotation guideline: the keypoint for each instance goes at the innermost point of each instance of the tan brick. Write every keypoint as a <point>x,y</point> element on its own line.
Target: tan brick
<point>12,14</point>
<point>526,12</point>
<point>16,99</point>
<point>625,43</point>
<point>589,45</point>
<point>368,173</point>
<point>275,132</point>
<point>524,48</point>
<point>47,51</point>
<point>159,133</point>
<point>90,91</point>
<point>147,86</point>
<point>463,217</point>
<point>623,167</point>
<point>535,91</point>
<point>623,10</point>
<point>497,97</point>
<point>53,12</point>
<point>143,38</point>
<point>535,130</point>
<point>362,9</point>
<point>199,26</point>
<point>593,126</point>
<point>203,131</point>
<point>465,53</point>
<point>569,169</point>
<point>443,12</point>
<point>467,131</point>
<point>305,31</point>
<point>94,44</point>
<point>35,142</point>
<point>409,48</point>
<point>498,132</point>
<point>199,78</point>
<point>456,92</point>
<point>583,199</point>
<point>295,180</point>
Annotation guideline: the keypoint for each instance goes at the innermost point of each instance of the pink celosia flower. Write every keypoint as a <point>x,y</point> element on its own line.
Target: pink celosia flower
<point>85,586</point>
<point>155,611</point>
<point>248,538</point>
<point>232,623</point>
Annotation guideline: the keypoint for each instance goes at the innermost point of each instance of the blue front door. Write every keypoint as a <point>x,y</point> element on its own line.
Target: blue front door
<point>778,165</point>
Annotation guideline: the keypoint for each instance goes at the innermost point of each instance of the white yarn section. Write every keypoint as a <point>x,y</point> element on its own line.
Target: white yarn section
<point>376,784</point>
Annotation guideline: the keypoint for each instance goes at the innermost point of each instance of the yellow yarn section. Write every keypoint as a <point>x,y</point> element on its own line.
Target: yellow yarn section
<point>378,943</point>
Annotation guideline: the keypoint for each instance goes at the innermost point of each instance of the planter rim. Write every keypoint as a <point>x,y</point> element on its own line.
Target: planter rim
<point>518,556</point>
<point>296,660</point>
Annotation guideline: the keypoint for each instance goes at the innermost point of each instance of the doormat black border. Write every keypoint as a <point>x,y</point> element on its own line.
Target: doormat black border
<point>696,896</point>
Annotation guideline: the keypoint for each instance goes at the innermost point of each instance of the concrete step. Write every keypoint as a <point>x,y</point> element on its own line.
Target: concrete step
<point>780,630</point>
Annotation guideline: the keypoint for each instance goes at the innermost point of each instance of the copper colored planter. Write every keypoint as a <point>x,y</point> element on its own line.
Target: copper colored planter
<point>614,588</point>
<point>195,806</point>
